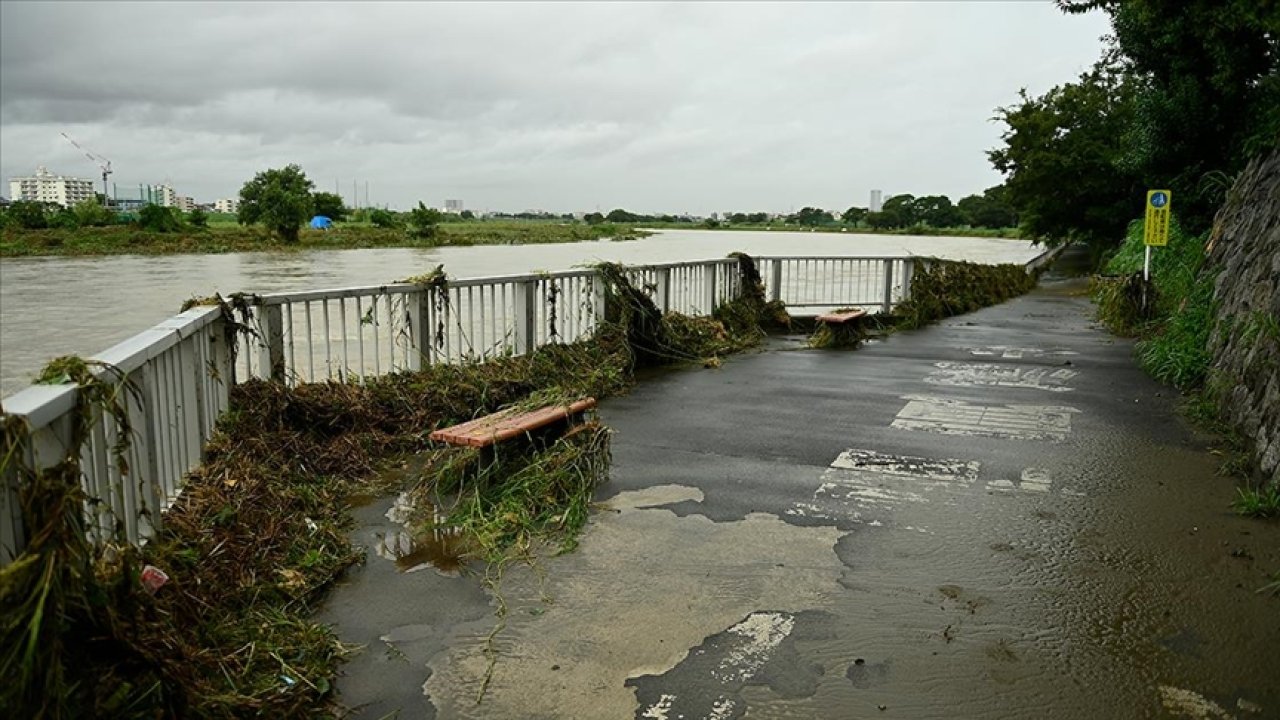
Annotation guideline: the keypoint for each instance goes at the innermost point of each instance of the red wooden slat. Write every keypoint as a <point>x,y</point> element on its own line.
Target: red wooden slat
<point>506,424</point>
<point>841,317</point>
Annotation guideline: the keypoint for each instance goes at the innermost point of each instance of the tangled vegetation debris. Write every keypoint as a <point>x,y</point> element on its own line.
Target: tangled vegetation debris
<point>261,528</point>
<point>942,288</point>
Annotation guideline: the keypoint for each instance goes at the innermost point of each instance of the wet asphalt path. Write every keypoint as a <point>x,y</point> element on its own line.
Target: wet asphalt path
<point>996,517</point>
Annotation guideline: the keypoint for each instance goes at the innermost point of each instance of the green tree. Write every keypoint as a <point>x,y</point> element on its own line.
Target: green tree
<point>936,211</point>
<point>468,215</point>
<point>811,216</point>
<point>593,218</point>
<point>881,220</point>
<point>91,213</point>
<point>899,211</point>
<point>423,221</point>
<point>27,214</point>
<point>991,209</point>
<point>854,215</point>
<point>329,205</point>
<point>158,218</point>
<point>198,218</point>
<point>383,218</point>
<point>1206,92</point>
<point>280,199</point>
<point>1062,160</point>
<point>621,216</point>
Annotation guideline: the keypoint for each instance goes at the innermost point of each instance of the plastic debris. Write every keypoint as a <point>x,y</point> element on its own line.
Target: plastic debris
<point>153,578</point>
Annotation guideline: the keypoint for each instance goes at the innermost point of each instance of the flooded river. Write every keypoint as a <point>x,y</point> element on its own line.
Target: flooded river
<point>58,306</point>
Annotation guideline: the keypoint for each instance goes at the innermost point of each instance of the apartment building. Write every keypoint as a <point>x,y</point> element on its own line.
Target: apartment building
<point>44,186</point>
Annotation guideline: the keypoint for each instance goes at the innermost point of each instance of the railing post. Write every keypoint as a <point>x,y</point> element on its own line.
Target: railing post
<point>775,279</point>
<point>599,300</point>
<point>887,305</point>
<point>144,470</point>
<point>663,295</point>
<point>419,303</point>
<point>526,305</point>
<point>271,344</point>
<point>908,272</point>
<point>710,274</point>
<point>224,371</point>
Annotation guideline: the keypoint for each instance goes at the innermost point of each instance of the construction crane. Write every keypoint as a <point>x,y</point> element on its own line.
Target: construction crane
<point>103,164</point>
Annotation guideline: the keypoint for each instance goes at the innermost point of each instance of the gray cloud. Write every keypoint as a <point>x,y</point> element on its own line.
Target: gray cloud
<point>654,107</point>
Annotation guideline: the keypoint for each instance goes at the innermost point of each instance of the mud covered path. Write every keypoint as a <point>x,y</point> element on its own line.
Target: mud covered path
<point>996,517</point>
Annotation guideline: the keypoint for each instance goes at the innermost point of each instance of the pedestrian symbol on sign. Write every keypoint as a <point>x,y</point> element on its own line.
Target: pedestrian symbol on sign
<point>1159,199</point>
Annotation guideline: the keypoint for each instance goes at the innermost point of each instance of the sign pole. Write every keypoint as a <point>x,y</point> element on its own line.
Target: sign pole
<point>1155,227</point>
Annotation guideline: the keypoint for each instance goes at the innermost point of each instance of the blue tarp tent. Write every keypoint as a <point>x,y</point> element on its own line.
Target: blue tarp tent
<point>320,222</point>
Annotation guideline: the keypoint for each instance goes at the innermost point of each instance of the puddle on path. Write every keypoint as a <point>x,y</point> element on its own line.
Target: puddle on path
<point>438,546</point>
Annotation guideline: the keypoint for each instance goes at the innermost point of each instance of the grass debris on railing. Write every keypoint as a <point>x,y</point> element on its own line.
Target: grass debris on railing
<point>943,288</point>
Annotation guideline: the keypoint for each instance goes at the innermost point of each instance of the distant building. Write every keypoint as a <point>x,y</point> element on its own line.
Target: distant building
<point>877,201</point>
<point>164,195</point>
<point>184,203</point>
<point>44,186</point>
<point>227,205</point>
<point>453,206</point>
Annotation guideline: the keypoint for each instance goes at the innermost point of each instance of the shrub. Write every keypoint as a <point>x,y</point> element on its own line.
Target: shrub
<point>158,218</point>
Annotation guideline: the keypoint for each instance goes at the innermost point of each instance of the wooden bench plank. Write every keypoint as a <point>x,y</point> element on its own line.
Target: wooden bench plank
<point>506,424</point>
<point>841,317</point>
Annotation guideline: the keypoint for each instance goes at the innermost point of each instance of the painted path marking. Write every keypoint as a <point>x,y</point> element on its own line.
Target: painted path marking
<point>962,374</point>
<point>866,487</point>
<point>1014,353</point>
<point>927,413</point>
<point>732,659</point>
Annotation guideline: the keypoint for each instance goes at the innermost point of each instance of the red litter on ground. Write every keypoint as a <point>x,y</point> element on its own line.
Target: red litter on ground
<point>152,578</point>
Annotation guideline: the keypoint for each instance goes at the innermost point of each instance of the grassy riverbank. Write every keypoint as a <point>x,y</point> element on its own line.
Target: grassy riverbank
<point>225,237</point>
<point>1011,233</point>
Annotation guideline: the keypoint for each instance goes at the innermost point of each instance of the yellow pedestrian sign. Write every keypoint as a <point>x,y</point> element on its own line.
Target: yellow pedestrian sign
<point>1157,225</point>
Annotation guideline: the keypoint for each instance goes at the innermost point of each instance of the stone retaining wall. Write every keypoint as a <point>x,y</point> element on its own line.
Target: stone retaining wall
<point>1245,343</point>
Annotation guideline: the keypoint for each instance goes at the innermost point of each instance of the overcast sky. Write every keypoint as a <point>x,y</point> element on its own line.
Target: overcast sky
<point>565,107</point>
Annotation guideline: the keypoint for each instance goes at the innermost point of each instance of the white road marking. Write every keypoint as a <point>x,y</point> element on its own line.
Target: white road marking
<point>1014,353</point>
<point>904,465</point>
<point>1190,704</point>
<point>957,417</point>
<point>659,710</point>
<point>961,374</point>
<point>762,632</point>
<point>866,487</point>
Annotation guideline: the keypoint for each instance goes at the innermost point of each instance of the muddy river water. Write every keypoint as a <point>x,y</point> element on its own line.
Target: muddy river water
<point>58,306</point>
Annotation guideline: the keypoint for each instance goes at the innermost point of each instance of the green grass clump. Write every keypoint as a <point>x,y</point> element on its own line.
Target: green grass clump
<point>1260,503</point>
<point>1176,350</point>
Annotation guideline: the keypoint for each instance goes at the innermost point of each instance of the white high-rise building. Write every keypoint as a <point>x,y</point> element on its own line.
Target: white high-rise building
<point>165,195</point>
<point>453,206</point>
<point>44,186</point>
<point>877,201</point>
<point>226,205</point>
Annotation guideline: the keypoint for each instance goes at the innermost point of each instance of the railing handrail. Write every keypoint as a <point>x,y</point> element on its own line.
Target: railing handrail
<point>40,405</point>
<point>400,288</point>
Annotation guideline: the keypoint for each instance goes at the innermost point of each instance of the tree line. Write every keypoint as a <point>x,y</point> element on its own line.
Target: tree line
<point>1186,91</point>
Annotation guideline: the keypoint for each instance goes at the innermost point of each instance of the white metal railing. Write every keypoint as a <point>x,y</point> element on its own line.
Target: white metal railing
<point>173,380</point>
<point>170,384</point>
<point>867,282</point>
